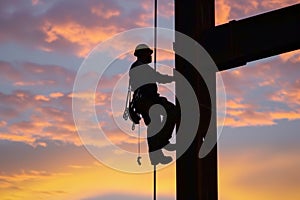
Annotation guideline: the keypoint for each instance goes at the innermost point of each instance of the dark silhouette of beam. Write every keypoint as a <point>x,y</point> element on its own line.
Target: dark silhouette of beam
<point>235,43</point>
<point>230,45</point>
<point>196,178</point>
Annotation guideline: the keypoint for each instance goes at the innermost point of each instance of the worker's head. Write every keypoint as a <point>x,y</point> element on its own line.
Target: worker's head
<point>143,53</point>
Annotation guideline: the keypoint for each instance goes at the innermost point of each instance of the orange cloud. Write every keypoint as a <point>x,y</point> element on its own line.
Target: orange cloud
<point>222,12</point>
<point>276,4</point>
<point>289,96</point>
<point>249,117</point>
<point>231,104</point>
<point>56,95</point>
<point>86,38</point>
<point>240,114</point>
<point>104,13</point>
<point>41,97</point>
<point>34,83</point>
<point>227,10</point>
<point>3,123</point>
<point>293,56</point>
<point>44,119</point>
<point>292,115</point>
<point>17,137</point>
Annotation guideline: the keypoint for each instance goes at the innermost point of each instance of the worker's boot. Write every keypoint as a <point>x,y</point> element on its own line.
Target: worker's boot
<point>157,157</point>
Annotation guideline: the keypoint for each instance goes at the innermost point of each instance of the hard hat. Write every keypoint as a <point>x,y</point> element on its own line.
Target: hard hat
<point>142,49</point>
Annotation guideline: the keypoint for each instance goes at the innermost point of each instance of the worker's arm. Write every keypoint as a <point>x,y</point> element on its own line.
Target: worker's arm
<point>163,78</point>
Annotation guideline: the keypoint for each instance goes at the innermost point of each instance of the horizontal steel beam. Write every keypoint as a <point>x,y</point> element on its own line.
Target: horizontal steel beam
<point>235,43</point>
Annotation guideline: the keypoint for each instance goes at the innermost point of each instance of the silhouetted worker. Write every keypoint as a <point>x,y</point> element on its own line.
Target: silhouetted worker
<point>160,123</point>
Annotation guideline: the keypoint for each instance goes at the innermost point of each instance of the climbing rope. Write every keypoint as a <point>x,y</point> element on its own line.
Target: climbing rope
<point>139,147</point>
<point>155,32</point>
<point>155,46</point>
<point>154,182</point>
<point>128,99</point>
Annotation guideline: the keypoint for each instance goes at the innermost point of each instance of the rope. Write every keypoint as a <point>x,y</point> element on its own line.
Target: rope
<point>155,46</point>
<point>155,32</point>
<point>139,147</point>
<point>154,183</point>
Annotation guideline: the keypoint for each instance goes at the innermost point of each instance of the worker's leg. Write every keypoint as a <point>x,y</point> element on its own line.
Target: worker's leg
<point>154,128</point>
<point>170,117</point>
<point>154,144</point>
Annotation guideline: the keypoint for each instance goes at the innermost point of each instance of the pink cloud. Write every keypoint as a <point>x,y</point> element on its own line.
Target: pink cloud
<point>290,96</point>
<point>275,4</point>
<point>240,114</point>
<point>36,76</point>
<point>166,9</point>
<point>262,93</point>
<point>222,11</point>
<point>227,10</point>
<point>101,11</point>
<point>72,27</point>
<point>3,123</point>
<point>46,117</point>
<point>9,72</point>
<point>293,56</point>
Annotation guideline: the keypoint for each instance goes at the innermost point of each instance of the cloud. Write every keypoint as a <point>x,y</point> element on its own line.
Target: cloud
<point>222,11</point>
<point>69,27</point>
<point>56,95</point>
<point>41,98</point>
<point>166,9</point>
<point>275,4</point>
<point>9,72</point>
<point>28,75</point>
<point>227,10</point>
<point>252,118</point>
<point>262,93</point>
<point>3,123</point>
<point>44,109</point>
<point>291,96</point>
<point>293,56</point>
<point>240,114</point>
<point>30,117</point>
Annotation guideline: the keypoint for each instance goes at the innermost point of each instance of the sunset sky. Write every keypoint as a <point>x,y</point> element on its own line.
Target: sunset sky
<point>43,43</point>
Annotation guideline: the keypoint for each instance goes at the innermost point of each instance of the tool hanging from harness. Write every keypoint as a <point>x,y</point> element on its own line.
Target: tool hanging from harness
<point>131,111</point>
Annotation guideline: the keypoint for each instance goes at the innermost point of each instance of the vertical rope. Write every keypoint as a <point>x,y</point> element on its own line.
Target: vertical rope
<point>154,183</point>
<point>139,146</point>
<point>155,32</point>
<point>155,46</point>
